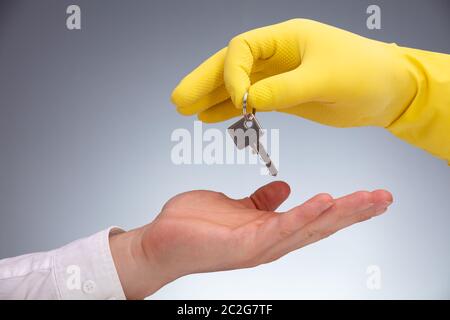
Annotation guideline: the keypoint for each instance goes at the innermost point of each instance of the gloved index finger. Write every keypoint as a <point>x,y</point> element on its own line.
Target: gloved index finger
<point>242,53</point>
<point>205,80</point>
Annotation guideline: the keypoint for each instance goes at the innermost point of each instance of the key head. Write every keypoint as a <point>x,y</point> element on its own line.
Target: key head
<point>245,131</point>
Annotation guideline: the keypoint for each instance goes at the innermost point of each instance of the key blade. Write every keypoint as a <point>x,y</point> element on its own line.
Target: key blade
<point>261,151</point>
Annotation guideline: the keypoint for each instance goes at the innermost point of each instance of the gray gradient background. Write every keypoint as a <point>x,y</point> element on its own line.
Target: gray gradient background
<point>85,124</point>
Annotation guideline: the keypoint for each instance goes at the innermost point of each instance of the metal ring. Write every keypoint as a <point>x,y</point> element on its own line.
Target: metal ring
<point>244,104</point>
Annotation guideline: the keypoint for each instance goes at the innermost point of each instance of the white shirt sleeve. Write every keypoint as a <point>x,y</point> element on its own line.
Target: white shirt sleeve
<point>83,269</point>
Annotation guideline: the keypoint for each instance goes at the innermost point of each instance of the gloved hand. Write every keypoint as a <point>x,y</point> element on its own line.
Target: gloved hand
<point>304,68</point>
<point>327,75</point>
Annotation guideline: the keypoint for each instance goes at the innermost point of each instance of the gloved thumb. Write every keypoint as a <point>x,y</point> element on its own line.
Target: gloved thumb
<point>288,89</point>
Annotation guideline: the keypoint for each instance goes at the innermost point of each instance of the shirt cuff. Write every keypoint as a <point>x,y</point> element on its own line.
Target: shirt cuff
<point>84,269</point>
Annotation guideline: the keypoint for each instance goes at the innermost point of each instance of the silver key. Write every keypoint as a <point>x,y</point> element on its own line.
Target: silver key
<point>246,132</point>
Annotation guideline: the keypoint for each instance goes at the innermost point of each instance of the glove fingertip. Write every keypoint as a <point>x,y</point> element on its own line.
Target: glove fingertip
<point>185,111</point>
<point>177,98</point>
<point>204,117</point>
<point>261,97</point>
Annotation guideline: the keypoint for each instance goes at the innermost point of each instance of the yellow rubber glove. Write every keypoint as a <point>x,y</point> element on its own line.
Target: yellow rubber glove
<point>328,75</point>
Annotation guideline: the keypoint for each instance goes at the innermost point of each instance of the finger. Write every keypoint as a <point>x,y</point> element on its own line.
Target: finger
<point>278,227</point>
<point>205,80</point>
<point>205,102</point>
<point>266,43</point>
<point>268,197</point>
<point>382,199</point>
<point>225,109</point>
<point>324,112</point>
<point>288,89</point>
<point>314,234</point>
<point>346,207</point>
<point>348,210</point>
<point>220,112</point>
<point>296,218</point>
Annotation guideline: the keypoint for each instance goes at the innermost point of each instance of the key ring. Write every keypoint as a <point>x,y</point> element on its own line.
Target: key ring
<point>244,107</point>
<point>244,104</point>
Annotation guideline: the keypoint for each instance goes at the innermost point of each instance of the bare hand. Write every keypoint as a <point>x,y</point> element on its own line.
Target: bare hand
<point>204,231</point>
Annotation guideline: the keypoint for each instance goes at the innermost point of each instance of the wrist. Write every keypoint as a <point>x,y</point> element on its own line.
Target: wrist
<point>406,83</point>
<point>139,273</point>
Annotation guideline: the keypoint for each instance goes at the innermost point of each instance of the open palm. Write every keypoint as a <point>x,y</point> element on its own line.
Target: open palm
<point>202,231</point>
